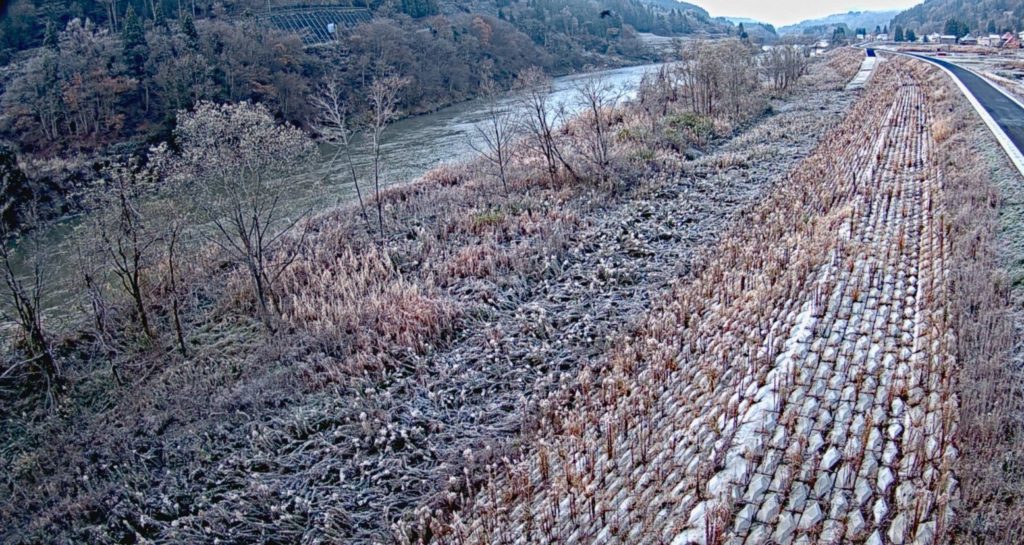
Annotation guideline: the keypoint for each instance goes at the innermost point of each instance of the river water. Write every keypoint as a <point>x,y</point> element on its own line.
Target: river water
<point>412,147</point>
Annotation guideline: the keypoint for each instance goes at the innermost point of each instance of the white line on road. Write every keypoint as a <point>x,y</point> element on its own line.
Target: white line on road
<point>1015,155</point>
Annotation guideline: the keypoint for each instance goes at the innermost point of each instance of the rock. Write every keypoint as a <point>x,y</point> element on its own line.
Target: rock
<point>758,486</point>
<point>862,491</point>
<point>885,479</point>
<point>840,505</point>
<point>759,536</point>
<point>830,458</point>
<point>845,477</point>
<point>798,497</point>
<point>745,518</point>
<point>905,495</point>
<point>816,442</point>
<point>880,510</point>
<point>855,525</point>
<point>812,516</point>
<point>869,466</point>
<point>890,454</point>
<point>784,529</point>
<point>874,539</point>
<point>769,509</point>
<point>925,533</point>
<point>831,532</point>
<point>898,529</point>
<point>823,485</point>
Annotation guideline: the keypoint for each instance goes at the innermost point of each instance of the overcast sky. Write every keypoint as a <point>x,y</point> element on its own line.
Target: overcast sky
<point>784,12</point>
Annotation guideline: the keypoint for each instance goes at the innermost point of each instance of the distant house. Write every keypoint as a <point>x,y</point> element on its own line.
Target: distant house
<point>948,39</point>
<point>934,37</point>
<point>882,37</point>
<point>1010,41</point>
<point>968,40</point>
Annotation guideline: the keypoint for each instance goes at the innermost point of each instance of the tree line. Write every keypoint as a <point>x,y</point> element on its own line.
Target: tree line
<point>957,18</point>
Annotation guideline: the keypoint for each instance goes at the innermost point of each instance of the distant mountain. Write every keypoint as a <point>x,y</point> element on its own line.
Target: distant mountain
<point>978,15</point>
<point>742,20</point>
<point>853,20</point>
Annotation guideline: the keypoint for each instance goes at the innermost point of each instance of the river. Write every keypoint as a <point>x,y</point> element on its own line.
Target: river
<point>412,147</point>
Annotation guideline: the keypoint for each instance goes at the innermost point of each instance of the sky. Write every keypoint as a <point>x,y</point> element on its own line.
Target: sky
<point>785,12</point>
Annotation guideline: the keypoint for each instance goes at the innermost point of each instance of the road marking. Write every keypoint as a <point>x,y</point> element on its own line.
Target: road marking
<point>1014,154</point>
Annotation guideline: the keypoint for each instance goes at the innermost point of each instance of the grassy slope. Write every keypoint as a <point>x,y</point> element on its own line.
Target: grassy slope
<point>397,358</point>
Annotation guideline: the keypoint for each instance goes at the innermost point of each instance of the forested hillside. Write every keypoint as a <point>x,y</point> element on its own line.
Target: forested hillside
<point>853,20</point>
<point>977,15</point>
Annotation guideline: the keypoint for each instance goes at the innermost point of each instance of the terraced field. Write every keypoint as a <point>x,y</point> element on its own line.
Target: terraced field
<point>798,390</point>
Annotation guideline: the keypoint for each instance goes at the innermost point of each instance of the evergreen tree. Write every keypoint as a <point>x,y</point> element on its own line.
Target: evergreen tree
<point>957,28</point>
<point>911,36</point>
<point>839,35</point>
<point>897,34</point>
<point>133,43</point>
<point>50,37</point>
<point>159,19</point>
<point>188,29</point>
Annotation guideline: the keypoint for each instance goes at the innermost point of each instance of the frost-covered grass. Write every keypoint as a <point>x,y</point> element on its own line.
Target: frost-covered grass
<point>397,353</point>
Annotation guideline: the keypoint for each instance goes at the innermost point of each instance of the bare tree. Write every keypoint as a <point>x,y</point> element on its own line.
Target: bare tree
<point>383,99</point>
<point>237,158</point>
<point>597,98</point>
<point>541,118</point>
<point>497,133</point>
<point>21,300</point>
<point>333,123</point>
<point>783,65</point>
<point>654,94</point>
<point>124,237</point>
<point>175,223</point>
<point>719,78</point>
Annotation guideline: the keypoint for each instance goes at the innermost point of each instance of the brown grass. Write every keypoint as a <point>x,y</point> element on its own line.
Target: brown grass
<point>987,318</point>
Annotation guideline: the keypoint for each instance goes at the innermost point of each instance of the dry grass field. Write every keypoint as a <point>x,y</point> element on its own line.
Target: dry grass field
<point>837,371</point>
<point>804,332</point>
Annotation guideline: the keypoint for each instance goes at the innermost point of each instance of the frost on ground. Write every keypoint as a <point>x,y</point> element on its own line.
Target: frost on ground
<point>411,369</point>
<point>800,389</point>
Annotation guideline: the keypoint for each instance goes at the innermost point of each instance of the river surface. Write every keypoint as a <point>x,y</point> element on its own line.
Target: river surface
<point>411,147</point>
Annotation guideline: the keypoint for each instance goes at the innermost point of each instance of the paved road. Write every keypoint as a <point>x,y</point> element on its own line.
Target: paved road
<point>1007,113</point>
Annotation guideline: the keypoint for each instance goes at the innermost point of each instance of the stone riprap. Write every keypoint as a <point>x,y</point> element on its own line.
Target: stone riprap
<point>797,390</point>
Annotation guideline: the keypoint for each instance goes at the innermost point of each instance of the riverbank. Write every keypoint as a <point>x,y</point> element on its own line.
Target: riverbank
<point>413,146</point>
<point>404,368</point>
<point>844,372</point>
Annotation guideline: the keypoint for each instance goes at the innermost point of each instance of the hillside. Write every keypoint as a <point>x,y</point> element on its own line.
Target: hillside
<point>981,15</point>
<point>853,20</point>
